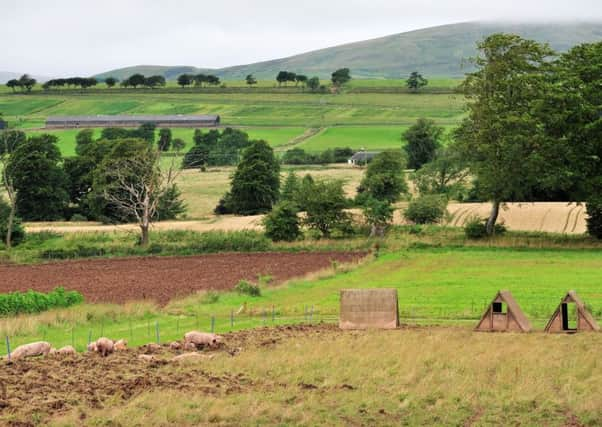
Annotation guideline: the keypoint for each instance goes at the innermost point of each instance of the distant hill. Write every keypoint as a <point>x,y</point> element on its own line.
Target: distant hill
<point>9,75</point>
<point>169,72</point>
<point>437,51</point>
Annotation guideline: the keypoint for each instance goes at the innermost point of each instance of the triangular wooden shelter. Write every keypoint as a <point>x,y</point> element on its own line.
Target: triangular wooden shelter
<point>560,319</point>
<point>500,318</point>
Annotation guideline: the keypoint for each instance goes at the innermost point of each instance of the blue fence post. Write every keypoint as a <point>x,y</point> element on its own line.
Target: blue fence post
<point>89,336</point>
<point>157,332</point>
<point>231,318</point>
<point>131,331</point>
<point>273,314</point>
<point>8,347</point>
<point>212,324</point>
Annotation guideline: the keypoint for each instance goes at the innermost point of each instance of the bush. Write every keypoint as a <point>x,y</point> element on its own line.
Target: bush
<point>426,209</point>
<point>594,217</point>
<point>282,223</point>
<point>35,302</point>
<point>476,228</point>
<point>247,288</point>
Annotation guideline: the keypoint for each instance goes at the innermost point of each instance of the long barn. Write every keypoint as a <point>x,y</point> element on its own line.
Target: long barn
<point>63,122</point>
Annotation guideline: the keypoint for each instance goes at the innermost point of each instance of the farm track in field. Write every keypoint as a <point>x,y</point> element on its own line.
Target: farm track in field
<point>162,278</point>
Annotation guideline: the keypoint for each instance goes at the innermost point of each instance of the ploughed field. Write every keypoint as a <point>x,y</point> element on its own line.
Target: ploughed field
<point>163,278</point>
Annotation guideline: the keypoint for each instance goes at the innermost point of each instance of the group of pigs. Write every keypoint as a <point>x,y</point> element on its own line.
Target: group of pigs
<point>104,346</point>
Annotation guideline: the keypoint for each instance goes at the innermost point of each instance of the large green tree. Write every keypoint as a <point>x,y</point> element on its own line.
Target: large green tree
<point>41,184</point>
<point>502,137</point>
<point>340,77</point>
<point>573,116</point>
<point>416,81</point>
<point>256,182</point>
<point>9,142</point>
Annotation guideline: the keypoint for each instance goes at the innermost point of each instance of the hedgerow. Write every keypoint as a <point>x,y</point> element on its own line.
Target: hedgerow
<point>35,302</point>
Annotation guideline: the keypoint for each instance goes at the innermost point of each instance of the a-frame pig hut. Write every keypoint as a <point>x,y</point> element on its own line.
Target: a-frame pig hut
<point>504,315</point>
<point>572,316</point>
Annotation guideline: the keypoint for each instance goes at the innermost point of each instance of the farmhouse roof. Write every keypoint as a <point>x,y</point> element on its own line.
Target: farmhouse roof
<point>135,118</point>
<point>362,156</point>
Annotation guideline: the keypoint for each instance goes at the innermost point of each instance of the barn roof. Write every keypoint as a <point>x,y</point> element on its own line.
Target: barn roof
<point>135,118</point>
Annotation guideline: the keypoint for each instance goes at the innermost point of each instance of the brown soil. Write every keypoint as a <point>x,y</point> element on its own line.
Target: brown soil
<point>163,278</point>
<point>55,385</point>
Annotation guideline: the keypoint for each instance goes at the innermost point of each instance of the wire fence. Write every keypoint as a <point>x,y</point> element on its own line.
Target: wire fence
<point>164,328</point>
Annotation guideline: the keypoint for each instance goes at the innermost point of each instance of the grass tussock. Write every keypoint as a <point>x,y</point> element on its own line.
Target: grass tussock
<point>419,377</point>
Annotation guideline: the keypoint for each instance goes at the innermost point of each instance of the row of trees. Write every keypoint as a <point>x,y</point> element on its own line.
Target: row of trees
<point>137,79</point>
<point>115,178</point>
<point>25,83</point>
<point>82,82</point>
<point>198,80</point>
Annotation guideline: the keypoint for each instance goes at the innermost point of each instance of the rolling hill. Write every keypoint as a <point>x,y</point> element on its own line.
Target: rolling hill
<point>435,51</point>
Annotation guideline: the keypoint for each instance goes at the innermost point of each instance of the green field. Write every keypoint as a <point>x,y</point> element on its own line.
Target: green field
<point>435,286</point>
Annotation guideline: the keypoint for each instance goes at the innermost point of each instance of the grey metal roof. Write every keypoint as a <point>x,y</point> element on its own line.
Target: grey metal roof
<point>134,119</point>
<point>363,155</point>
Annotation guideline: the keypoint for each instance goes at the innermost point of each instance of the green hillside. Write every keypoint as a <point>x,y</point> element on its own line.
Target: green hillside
<point>436,51</point>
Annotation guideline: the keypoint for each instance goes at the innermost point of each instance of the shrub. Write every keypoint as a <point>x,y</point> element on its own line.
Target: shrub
<point>35,302</point>
<point>247,288</point>
<point>594,217</point>
<point>282,223</point>
<point>210,297</point>
<point>426,209</point>
<point>476,228</point>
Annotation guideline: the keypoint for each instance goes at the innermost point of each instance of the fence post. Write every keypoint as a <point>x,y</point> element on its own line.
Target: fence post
<point>131,331</point>
<point>72,337</point>
<point>212,324</point>
<point>305,314</point>
<point>273,314</point>
<point>157,332</point>
<point>178,325</point>
<point>89,336</point>
<point>231,318</point>
<point>265,315</point>
<point>311,314</point>
<point>197,320</point>
<point>102,327</point>
<point>8,347</point>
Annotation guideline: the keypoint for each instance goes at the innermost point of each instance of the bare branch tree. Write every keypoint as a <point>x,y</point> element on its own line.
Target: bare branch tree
<point>136,186</point>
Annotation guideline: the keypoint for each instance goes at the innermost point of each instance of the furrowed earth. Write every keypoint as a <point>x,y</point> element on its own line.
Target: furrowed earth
<point>163,278</point>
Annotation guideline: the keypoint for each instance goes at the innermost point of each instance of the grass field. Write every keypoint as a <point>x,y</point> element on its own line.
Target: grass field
<point>435,286</point>
<point>307,110</point>
<point>443,377</point>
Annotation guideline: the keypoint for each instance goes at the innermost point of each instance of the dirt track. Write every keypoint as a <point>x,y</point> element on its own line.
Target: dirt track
<point>163,278</point>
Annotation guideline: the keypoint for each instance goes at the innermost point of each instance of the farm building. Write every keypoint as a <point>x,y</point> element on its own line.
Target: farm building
<point>578,319</point>
<point>62,122</point>
<point>362,157</point>
<point>504,314</point>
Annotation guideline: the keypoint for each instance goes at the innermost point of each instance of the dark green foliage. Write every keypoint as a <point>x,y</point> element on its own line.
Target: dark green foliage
<point>84,138</point>
<point>416,81</point>
<point>111,81</point>
<point>215,148</point>
<point>145,131</point>
<point>185,80</point>
<point>224,206</point>
<point>422,142</point>
<point>10,140</point>
<point>247,288</point>
<point>378,215</point>
<point>594,217</point>
<point>256,182</point>
<point>340,77</point>
<point>15,303</point>
<point>384,178</point>
<point>314,83</point>
<point>324,203</point>
<point>290,188</point>
<point>164,139</point>
<point>18,234</point>
<point>428,209</point>
<point>476,228</point>
<point>282,223</point>
<point>170,204</point>
<point>39,179</point>
<point>250,80</point>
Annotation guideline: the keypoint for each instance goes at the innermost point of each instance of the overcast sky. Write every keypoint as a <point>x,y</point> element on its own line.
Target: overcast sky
<point>68,37</point>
